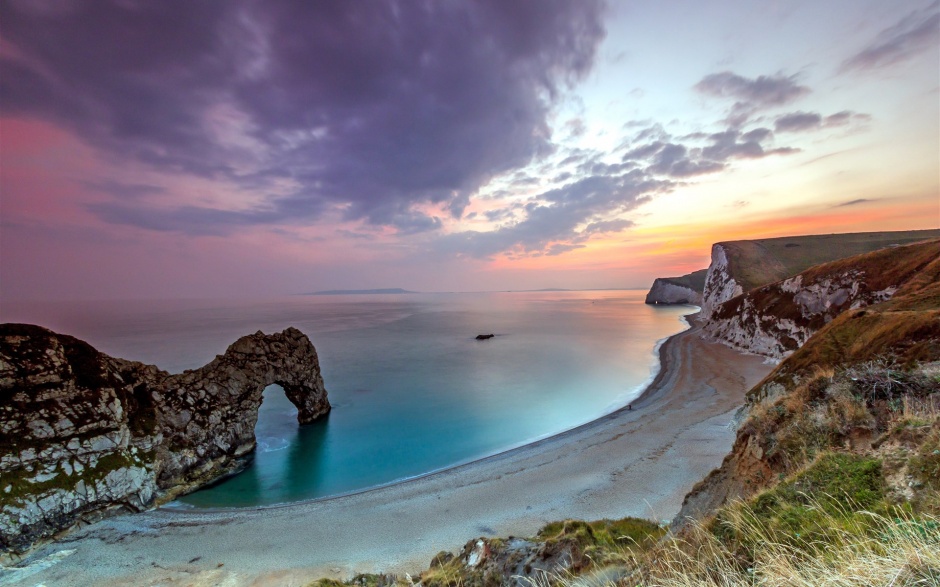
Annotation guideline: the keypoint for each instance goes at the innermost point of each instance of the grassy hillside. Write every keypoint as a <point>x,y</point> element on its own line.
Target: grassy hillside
<point>904,329</point>
<point>790,311</point>
<point>754,263</point>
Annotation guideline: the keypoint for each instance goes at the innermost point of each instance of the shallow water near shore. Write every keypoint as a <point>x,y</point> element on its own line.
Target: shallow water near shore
<point>412,390</point>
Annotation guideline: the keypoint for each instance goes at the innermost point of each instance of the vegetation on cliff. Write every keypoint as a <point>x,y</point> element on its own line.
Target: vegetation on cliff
<point>758,262</point>
<point>774,320</point>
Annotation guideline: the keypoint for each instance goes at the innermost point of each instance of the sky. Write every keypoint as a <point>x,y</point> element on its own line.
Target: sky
<point>179,149</point>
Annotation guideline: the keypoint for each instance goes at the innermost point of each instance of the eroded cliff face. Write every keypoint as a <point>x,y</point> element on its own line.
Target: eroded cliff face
<point>685,289</point>
<point>665,292</point>
<point>720,285</point>
<point>83,434</point>
<point>776,319</point>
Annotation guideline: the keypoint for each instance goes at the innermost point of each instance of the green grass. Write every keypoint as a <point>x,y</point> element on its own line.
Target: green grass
<point>754,263</point>
<point>603,534</point>
<point>22,489</point>
<point>826,497</point>
<point>925,465</point>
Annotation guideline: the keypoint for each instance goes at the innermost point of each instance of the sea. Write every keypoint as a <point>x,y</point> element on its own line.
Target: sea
<point>412,390</point>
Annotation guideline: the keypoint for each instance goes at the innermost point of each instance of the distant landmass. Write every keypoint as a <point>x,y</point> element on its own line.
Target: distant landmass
<point>341,292</point>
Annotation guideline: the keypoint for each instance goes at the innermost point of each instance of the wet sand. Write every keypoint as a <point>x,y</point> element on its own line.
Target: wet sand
<point>639,462</point>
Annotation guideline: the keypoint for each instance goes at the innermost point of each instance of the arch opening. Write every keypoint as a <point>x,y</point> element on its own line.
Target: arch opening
<point>276,427</point>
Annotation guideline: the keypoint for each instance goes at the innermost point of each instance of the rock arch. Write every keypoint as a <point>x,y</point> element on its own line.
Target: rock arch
<point>84,435</point>
<point>209,414</point>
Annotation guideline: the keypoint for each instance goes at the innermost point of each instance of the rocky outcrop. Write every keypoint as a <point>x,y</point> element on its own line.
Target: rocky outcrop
<point>776,319</point>
<point>686,289</point>
<point>565,548</point>
<point>665,292</point>
<point>840,389</point>
<point>514,562</point>
<point>83,434</point>
<point>741,266</point>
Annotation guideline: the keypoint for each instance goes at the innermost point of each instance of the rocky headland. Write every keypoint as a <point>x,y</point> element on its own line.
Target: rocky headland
<point>686,289</point>
<point>777,319</point>
<point>738,267</point>
<point>83,434</point>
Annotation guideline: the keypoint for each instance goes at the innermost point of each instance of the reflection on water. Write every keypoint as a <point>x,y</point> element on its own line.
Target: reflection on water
<point>412,390</point>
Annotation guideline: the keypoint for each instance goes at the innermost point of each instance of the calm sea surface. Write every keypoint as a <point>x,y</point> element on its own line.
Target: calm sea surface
<point>412,390</point>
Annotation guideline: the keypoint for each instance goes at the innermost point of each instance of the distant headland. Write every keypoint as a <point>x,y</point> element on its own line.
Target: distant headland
<point>344,292</point>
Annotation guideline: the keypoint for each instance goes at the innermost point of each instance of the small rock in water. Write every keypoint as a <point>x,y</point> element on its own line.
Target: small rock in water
<point>485,336</point>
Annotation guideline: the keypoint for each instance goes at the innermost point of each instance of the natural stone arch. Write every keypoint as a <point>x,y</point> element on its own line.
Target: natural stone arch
<point>85,434</point>
<point>209,414</point>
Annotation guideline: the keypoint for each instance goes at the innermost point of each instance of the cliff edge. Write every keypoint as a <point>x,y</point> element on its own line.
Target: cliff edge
<point>686,289</point>
<point>777,319</point>
<point>83,434</point>
<point>740,266</point>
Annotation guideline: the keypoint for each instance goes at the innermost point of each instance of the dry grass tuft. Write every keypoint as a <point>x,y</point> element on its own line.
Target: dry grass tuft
<point>897,550</point>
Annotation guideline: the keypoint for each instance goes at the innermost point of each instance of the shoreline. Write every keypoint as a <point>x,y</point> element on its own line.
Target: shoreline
<point>630,462</point>
<point>649,387</point>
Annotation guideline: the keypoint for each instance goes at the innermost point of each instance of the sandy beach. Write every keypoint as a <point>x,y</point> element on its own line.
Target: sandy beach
<point>638,462</point>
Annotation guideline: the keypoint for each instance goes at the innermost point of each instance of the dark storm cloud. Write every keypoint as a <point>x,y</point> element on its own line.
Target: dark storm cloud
<point>918,31</point>
<point>370,107</point>
<point>751,95</point>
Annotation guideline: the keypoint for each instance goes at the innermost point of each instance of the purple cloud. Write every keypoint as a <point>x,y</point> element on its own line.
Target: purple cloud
<point>916,32</point>
<point>798,121</point>
<point>845,117</point>
<point>552,220</point>
<point>807,121</point>
<point>367,107</point>
<point>726,145</point>
<point>751,95</point>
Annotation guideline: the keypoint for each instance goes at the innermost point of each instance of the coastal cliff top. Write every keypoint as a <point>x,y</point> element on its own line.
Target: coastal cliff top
<point>757,262</point>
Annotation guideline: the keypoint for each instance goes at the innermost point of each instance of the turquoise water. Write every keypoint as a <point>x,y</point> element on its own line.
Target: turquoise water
<point>412,390</point>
